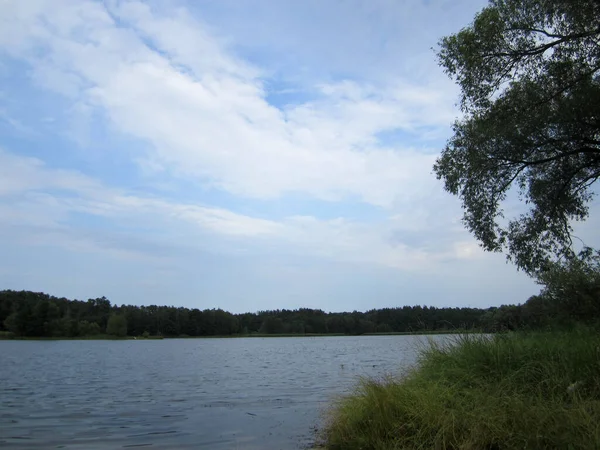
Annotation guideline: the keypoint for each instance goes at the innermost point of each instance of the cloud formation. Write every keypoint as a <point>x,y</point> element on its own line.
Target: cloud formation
<point>160,138</point>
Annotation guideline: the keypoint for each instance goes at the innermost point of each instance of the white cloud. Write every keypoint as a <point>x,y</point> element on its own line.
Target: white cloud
<point>33,195</point>
<point>18,174</point>
<point>66,191</point>
<point>204,111</point>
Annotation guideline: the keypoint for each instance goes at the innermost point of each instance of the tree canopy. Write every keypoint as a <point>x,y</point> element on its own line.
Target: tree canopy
<point>117,325</point>
<point>36,314</point>
<point>529,76</point>
<point>567,299</point>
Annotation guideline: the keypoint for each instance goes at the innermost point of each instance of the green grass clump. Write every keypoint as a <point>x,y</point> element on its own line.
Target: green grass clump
<point>519,391</point>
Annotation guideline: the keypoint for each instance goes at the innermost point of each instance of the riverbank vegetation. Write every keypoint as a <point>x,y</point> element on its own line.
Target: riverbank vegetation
<point>508,391</point>
<point>535,387</point>
<point>529,74</point>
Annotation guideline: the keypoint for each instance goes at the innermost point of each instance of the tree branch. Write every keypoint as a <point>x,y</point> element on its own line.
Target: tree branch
<point>537,30</point>
<point>588,181</point>
<point>555,157</point>
<point>541,49</point>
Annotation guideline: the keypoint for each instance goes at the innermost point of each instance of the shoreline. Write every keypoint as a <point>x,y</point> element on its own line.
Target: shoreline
<point>517,390</point>
<point>233,336</point>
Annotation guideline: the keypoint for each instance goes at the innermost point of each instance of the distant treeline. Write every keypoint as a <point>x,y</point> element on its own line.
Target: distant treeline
<point>33,314</point>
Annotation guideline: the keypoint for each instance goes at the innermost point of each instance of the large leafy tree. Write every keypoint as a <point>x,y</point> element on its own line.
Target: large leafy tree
<point>529,73</point>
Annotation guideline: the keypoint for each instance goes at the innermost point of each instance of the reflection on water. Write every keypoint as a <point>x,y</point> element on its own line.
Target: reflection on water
<point>183,393</point>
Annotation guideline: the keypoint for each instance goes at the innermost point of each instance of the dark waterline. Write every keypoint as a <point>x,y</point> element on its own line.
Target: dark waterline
<point>256,393</point>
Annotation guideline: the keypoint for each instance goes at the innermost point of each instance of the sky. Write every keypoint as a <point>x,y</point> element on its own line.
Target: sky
<point>233,154</point>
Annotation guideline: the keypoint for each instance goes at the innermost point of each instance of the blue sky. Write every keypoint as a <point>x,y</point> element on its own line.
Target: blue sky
<point>242,155</point>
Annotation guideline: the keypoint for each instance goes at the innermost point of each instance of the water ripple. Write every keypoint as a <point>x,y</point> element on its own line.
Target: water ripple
<point>182,394</point>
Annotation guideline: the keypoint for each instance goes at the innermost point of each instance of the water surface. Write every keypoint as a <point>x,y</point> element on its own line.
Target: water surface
<point>254,393</point>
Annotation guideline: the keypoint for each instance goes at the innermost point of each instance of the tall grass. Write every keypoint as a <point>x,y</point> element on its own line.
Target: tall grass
<point>519,391</point>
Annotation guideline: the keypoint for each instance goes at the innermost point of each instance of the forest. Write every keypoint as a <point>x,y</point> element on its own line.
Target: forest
<point>36,314</point>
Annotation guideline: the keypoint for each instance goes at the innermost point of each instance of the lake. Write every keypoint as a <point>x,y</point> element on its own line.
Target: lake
<point>242,393</point>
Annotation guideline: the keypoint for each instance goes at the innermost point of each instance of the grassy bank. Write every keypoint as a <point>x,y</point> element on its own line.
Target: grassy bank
<point>514,391</point>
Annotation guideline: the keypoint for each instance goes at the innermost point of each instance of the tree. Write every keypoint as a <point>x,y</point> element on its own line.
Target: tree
<point>34,313</point>
<point>117,325</point>
<point>529,76</point>
<point>573,287</point>
<point>88,329</point>
<point>11,324</point>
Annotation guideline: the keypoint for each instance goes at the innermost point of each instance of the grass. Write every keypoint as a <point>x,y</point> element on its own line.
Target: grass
<point>518,391</point>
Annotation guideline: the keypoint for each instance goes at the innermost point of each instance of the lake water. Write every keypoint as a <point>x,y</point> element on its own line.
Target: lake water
<point>183,393</point>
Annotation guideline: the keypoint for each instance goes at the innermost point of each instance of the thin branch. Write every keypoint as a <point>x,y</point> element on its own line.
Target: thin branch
<point>568,182</point>
<point>537,30</point>
<point>567,87</point>
<point>555,157</point>
<point>541,49</point>
<point>587,182</point>
<point>513,178</point>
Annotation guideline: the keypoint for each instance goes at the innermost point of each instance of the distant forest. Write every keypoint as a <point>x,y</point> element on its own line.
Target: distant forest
<point>34,314</point>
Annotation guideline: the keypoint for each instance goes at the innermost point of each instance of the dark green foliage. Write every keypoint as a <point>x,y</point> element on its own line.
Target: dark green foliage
<point>529,72</point>
<point>117,325</point>
<point>574,286</point>
<point>37,314</point>
<point>571,296</point>
<point>89,329</point>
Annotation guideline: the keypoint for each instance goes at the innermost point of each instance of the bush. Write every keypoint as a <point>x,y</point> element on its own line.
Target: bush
<point>117,325</point>
<point>89,328</point>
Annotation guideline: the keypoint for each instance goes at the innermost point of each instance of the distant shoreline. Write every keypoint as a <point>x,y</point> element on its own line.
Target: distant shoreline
<point>36,314</point>
<point>233,336</point>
